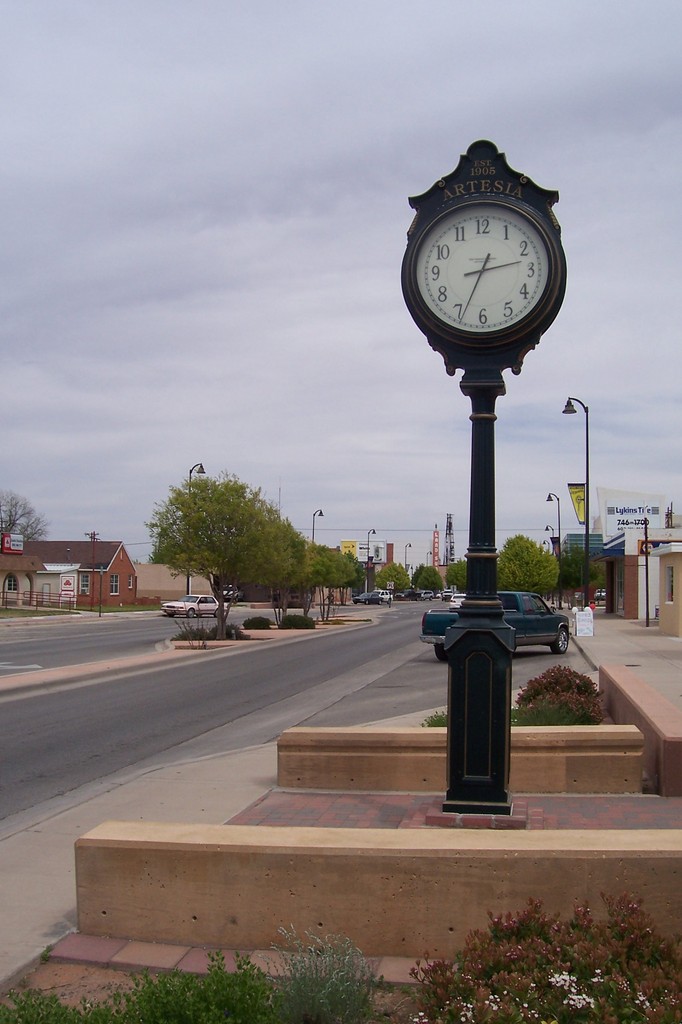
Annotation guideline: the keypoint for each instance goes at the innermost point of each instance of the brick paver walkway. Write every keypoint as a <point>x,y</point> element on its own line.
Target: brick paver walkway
<point>299,808</point>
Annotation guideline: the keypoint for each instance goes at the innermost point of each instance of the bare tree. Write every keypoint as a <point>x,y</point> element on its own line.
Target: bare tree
<point>17,515</point>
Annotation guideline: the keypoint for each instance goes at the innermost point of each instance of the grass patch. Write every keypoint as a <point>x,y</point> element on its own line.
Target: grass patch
<point>33,613</point>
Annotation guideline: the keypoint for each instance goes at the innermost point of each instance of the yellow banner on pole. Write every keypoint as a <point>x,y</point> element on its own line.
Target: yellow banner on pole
<point>349,547</point>
<point>577,493</point>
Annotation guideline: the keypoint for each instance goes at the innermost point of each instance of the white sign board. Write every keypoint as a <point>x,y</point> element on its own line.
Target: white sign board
<point>584,623</point>
<point>627,510</point>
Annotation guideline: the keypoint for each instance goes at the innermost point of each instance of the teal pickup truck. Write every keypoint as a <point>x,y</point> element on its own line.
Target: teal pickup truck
<point>533,620</point>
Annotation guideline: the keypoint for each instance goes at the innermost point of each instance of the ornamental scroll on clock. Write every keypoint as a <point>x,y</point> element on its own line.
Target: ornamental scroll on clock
<point>484,272</point>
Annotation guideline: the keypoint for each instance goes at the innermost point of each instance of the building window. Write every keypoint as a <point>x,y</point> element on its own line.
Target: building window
<point>130,581</point>
<point>12,584</point>
<point>113,584</point>
<point>669,584</point>
<point>83,583</point>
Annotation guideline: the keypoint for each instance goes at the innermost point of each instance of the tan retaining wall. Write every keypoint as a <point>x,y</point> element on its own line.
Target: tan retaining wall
<point>404,892</point>
<point>630,699</point>
<point>575,759</point>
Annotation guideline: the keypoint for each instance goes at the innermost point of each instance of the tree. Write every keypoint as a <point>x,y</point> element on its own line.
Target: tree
<point>215,528</point>
<point>17,515</point>
<point>331,571</point>
<point>287,564</point>
<point>394,573</point>
<point>525,565</point>
<point>456,575</point>
<point>573,567</point>
<point>427,577</point>
<point>356,574</point>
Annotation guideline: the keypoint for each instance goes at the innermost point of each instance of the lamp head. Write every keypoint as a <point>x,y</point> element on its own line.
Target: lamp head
<point>569,407</point>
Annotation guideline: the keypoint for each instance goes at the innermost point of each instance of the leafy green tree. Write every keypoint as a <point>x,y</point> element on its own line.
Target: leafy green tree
<point>572,568</point>
<point>525,565</point>
<point>456,575</point>
<point>286,566</point>
<point>427,577</point>
<point>17,515</point>
<point>394,573</point>
<point>215,528</point>
<point>356,575</point>
<point>332,572</point>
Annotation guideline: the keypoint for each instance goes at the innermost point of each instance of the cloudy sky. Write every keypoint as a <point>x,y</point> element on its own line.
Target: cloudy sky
<point>203,212</point>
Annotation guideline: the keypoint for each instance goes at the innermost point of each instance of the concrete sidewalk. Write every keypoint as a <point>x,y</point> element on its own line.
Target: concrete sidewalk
<point>650,654</point>
<point>37,885</point>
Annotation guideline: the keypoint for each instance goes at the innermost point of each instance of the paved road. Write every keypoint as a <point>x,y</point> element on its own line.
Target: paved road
<point>30,644</point>
<point>59,738</point>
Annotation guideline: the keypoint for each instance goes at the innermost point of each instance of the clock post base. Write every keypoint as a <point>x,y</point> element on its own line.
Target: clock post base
<point>479,712</point>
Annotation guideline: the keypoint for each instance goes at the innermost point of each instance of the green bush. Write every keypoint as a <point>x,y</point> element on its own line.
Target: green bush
<point>257,622</point>
<point>245,996</point>
<point>324,981</point>
<point>297,622</point>
<point>559,696</point>
<point>35,1007</point>
<point>531,966</point>
<point>436,720</point>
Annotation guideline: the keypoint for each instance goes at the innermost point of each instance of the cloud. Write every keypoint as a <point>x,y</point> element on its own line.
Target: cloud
<point>204,215</point>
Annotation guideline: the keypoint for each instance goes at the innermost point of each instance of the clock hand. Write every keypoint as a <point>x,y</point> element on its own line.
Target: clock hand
<point>479,274</point>
<point>496,266</point>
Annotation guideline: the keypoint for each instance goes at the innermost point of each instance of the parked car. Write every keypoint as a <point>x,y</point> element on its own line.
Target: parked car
<point>533,620</point>
<point>428,595</point>
<point>191,606</point>
<point>445,595</point>
<point>599,595</point>
<point>373,597</point>
<point>456,600</point>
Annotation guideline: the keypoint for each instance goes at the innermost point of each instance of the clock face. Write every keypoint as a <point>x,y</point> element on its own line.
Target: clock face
<point>483,268</point>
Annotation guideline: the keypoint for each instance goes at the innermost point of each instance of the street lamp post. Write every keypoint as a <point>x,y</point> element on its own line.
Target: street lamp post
<point>569,409</point>
<point>317,512</point>
<point>555,497</point>
<point>369,534</point>
<point>408,545</point>
<point>93,538</point>
<point>198,467</point>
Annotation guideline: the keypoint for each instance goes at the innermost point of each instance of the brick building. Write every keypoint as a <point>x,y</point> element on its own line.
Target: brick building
<point>76,574</point>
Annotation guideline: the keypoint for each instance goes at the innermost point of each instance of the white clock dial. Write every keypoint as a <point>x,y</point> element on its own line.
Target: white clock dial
<point>483,268</point>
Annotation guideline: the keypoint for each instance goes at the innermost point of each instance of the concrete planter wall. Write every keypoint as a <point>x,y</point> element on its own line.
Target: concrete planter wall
<point>572,759</point>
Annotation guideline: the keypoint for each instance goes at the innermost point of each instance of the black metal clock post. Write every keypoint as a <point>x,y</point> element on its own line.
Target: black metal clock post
<point>483,277</point>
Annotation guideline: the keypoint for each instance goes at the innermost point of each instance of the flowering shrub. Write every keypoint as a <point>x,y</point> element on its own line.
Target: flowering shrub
<point>531,966</point>
<point>561,695</point>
